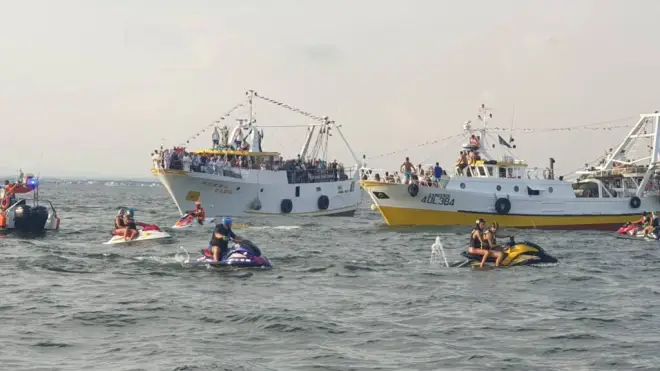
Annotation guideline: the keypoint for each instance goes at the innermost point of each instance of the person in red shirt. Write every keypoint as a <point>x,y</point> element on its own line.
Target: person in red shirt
<point>198,213</point>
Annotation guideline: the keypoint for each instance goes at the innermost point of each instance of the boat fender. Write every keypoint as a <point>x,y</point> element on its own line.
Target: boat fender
<point>502,206</point>
<point>256,204</point>
<point>413,189</point>
<point>3,220</point>
<point>286,206</point>
<point>323,202</point>
<point>635,202</point>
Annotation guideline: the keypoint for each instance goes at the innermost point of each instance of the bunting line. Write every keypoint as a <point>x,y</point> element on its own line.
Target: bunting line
<point>519,130</point>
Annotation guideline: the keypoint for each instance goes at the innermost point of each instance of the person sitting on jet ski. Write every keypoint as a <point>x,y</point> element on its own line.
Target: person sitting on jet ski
<point>644,221</point>
<point>198,213</point>
<point>479,247</point>
<point>652,224</point>
<point>120,225</point>
<point>131,226</point>
<point>219,244</point>
<point>490,237</point>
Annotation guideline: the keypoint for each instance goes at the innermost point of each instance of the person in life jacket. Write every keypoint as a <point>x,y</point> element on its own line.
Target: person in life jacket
<point>219,244</point>
<point>120,225</point>
<point>644,221</point>
<point>198,213</point>
<point>131,226</point>
<point>8,196</point>
<point>479,246</point>
<point>652,224</point>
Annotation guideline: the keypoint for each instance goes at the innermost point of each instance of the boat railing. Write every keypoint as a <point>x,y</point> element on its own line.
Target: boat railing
<point>295,176</point>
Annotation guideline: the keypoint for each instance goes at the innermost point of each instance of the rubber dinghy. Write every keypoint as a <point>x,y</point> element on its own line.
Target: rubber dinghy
<point>189,221</point>
<point>516,253</point>
<point>631,231</point>
<point>243,254</point>
<point>146,232</point>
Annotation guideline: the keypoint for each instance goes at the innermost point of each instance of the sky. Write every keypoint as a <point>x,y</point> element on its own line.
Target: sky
<point>90,88</point>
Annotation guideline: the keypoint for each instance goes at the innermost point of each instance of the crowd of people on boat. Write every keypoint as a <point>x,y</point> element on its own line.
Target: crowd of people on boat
<point>409,174</point>
<point>429,176</point>
<point>298,170</point>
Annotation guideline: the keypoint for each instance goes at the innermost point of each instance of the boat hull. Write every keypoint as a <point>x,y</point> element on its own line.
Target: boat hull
<point>258,192</point>
<point>449,206</point>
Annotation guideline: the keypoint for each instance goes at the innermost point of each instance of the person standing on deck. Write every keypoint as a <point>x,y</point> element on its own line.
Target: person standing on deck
<point>437,172</point>
<point>407,168</point>
<point>216,138</point>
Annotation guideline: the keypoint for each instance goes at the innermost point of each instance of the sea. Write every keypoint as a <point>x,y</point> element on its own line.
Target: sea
<point>345,293</point>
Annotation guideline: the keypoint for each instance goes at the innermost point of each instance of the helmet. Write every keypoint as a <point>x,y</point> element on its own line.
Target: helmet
<point>121,212</point>
<point>131,211</point>
<point>480,220</point>
<point>226,220</point>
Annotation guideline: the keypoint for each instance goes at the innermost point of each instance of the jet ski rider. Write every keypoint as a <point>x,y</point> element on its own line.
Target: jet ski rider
<point>120,225</point>
<point>480,247</point>
<point>131,226</point>
<point>644,221</point>
<point>219,244</point>
<point>198,213</point>
<point>652,224</point>
<point>490,237</point>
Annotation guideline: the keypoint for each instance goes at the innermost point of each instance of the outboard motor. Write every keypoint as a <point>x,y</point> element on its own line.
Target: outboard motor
<point>28,219</point>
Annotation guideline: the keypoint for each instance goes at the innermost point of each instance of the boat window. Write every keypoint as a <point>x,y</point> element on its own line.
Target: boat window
<point>587,189</point>
<point>490,170</point>
<point>502,172</point>
<point>482,172</point>
<point>297,191</point>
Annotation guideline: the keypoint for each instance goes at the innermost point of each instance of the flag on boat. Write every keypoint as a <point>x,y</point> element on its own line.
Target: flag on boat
<point>503,142</point>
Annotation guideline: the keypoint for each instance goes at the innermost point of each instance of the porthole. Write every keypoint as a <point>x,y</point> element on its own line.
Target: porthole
<point>499,188</point>
<point>515,188</point>
<point>550,189</point>
<point>462,185</point>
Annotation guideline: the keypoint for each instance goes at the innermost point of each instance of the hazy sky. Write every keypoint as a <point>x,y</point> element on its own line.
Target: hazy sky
<point>92,87</point>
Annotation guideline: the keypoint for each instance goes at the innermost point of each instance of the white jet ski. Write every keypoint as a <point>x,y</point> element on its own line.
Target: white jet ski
<point>147,233</point>
<point>189,221</point>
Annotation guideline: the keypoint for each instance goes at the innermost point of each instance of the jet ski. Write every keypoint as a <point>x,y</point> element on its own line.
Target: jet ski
<point>188,221</point>
<point>145,232</point>
<point>516,253</point>
<point>634,231</point>
<point>243,254</point>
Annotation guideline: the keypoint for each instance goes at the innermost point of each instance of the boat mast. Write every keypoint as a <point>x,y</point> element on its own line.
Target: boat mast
<point>655,151</point>
<point>327,121</point>
<point>483,116</point>
<point>632,136</point>
<point>250,94</point>
<point>308,139</point>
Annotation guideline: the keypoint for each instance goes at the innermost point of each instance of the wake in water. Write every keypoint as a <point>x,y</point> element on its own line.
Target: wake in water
<point>436,250</point>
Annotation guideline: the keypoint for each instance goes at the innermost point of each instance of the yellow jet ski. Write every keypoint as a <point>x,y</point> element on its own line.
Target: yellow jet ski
<point>516,253</point>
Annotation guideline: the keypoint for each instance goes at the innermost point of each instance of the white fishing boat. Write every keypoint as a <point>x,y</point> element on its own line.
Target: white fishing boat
<point>240,179</point>
<point>506,190</point>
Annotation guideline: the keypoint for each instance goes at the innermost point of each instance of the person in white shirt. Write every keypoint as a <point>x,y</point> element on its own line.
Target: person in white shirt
<point>186,161</point>
<point>216,138</point>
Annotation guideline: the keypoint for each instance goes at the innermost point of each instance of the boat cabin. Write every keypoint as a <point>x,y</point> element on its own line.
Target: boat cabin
<point>506,168</point>
<point>616,182</point>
